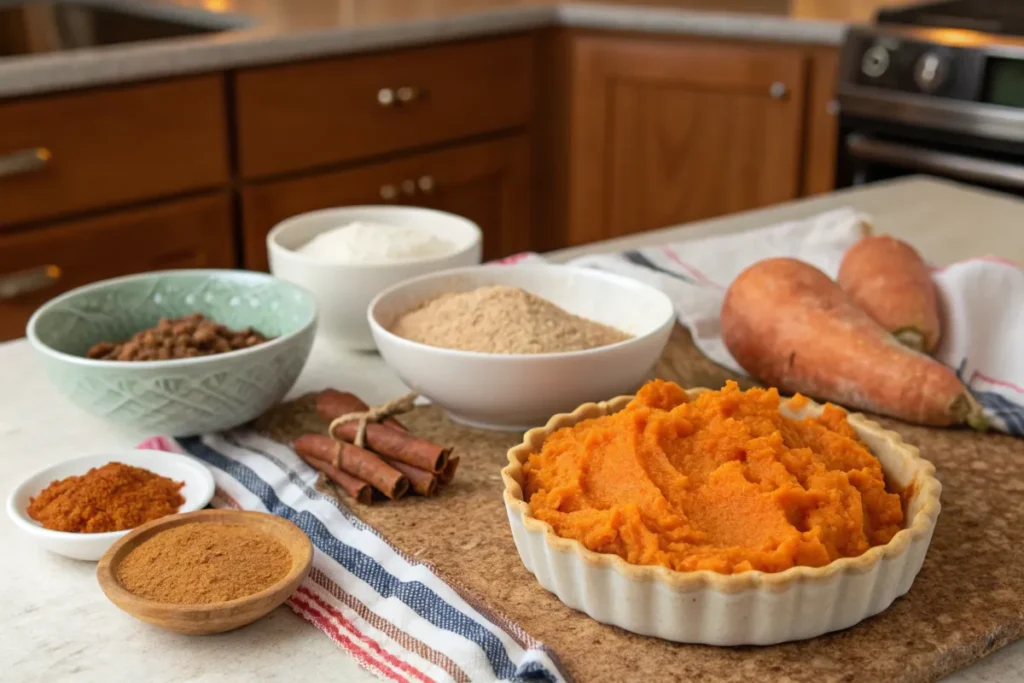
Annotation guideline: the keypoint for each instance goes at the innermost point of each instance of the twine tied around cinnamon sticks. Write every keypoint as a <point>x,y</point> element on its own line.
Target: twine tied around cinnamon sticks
<point>376,414</point>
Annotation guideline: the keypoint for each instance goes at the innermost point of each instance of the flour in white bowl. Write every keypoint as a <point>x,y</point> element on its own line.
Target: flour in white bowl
<point>362,242</point>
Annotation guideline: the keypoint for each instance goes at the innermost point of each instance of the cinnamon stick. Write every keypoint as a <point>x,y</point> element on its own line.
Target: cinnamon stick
<point>337,403</point>
<point>357,489</point>
<point>421,481</point>
<point>358,462</point>
<point>397,445</point>
<point>448,473</point>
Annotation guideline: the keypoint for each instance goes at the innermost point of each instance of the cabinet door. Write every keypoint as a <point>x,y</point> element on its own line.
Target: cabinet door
<point>487,183</point>
<point>665,132</point>
<point>822,123</point>
<point>92,150</point>
<point>189,233</point>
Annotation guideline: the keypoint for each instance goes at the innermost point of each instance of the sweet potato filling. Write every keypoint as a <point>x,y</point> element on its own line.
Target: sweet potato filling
<point>722,482</point>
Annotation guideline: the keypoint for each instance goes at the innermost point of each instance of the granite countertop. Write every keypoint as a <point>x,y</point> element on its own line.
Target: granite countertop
<point>58,626</point>
<point>269,31</point>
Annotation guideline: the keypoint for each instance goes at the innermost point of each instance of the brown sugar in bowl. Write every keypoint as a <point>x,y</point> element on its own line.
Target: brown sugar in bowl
<point>217,617</point>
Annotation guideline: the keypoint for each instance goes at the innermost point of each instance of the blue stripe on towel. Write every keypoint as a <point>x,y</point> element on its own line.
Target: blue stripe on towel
<point>418,597</point>
<point>1004,409</point>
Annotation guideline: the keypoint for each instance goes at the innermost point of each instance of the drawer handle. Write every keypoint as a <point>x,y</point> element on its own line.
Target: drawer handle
<point>24,161</point>
<point>423,185</point>
<point>393,97</point>
<point>28,281</point>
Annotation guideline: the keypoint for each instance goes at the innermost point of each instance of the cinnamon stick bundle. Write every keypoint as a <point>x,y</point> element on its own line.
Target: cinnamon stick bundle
<point>357,489</point>
<point>356,461</point>
<point>393,460</point>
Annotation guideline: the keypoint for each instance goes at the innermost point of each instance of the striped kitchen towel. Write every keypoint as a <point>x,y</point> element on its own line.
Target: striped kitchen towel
<point>392,614</point>
<point>982,299</point>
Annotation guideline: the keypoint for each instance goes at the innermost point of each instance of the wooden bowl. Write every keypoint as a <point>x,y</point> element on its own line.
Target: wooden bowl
<point>214,617</point>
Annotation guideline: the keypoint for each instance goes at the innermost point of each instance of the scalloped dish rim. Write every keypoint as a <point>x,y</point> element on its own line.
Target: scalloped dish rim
<point>925,486</point>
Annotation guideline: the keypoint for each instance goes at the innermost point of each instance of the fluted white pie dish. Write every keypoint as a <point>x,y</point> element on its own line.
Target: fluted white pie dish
<point>748,608</point>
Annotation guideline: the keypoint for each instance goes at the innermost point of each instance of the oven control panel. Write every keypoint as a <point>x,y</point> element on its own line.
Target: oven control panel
<point>891,61</point>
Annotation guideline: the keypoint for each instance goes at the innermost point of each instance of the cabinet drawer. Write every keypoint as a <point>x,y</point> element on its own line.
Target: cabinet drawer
<point>107,147</point>
<point>299,116</point>
<point>189,233</point>
<point>488,182</point>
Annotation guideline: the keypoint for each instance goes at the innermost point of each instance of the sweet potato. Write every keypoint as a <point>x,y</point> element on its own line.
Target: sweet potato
<point>890,281</point>
<point>790,326</point>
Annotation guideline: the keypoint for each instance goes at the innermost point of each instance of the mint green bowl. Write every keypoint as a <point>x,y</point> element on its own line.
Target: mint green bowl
<point>176,397</point>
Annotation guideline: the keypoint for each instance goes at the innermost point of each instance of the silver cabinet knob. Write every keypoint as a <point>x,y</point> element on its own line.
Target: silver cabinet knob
<point>778,90</point>
<point>426,184</point>
<point>389,192</point>
<point>386,97</point>
<point>408,187</point>
<point>832,107</point>
<point>407,94</point>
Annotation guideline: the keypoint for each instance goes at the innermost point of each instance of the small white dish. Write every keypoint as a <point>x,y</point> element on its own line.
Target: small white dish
<point>513,392</point>
<point>197,492</point>
<point>343,291</point>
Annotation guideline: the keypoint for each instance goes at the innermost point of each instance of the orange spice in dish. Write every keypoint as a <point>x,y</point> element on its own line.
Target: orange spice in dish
<point>113,497</point>
<point>722,482</point>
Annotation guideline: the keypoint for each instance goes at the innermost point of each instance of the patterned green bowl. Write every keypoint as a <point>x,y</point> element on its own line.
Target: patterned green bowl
<point>180,397</point>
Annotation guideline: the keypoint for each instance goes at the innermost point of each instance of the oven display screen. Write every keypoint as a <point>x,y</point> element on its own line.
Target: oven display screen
<point>1004,82</point>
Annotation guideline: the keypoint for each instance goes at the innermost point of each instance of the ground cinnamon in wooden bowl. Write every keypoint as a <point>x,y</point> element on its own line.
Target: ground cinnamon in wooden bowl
<point>206,572</point>
<point>203,563</point>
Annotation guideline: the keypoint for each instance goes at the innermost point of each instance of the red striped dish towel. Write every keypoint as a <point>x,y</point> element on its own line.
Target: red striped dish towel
<point>392,614</point>
<point>982,299</point>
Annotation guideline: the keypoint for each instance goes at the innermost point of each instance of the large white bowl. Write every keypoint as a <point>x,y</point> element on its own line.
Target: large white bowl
<point>343,291</point>
<point>519,391</point>
<point>197,492</point>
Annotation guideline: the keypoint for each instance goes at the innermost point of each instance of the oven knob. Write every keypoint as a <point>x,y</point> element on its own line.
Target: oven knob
<point>930,71</point>
<point>875,61</point>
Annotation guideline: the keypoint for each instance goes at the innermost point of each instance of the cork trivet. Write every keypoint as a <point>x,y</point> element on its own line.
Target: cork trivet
<point>967,601</point>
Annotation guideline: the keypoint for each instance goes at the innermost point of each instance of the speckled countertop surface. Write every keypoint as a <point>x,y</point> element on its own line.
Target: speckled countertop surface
<point>268,31</point>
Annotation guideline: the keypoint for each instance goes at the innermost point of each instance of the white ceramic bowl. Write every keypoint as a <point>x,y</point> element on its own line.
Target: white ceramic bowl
<point>519,391</point>
<point>343,291</point>
<point>198,491</point>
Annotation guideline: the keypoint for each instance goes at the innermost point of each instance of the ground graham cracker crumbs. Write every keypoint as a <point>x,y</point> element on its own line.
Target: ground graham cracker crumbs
<point>501,319</point>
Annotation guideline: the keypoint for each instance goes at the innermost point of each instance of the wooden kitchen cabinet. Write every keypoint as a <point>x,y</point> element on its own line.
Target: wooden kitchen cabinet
<point>298,116</point>
<point>822,123</point>
<point>186,233</point>
<point>101,148</point>
<point>489,183</point>
<point>665,131</point>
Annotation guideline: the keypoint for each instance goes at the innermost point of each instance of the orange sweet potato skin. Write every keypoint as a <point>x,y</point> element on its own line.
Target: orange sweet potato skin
<point>889,280</point>
<point>789,325</point>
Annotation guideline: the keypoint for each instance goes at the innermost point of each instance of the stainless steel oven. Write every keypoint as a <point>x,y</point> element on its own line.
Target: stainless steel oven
<point>920,92</point>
